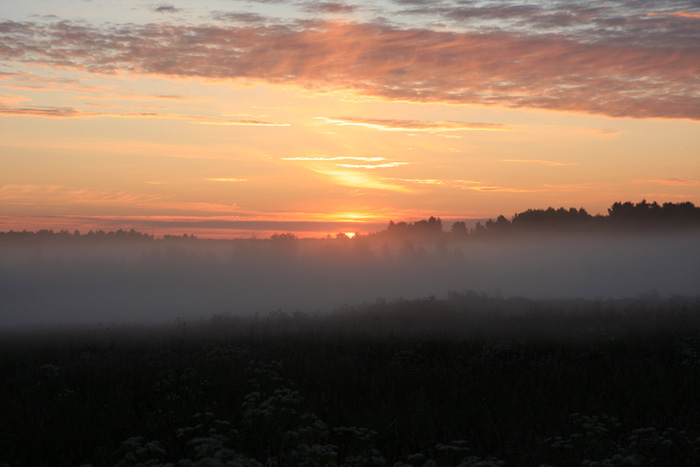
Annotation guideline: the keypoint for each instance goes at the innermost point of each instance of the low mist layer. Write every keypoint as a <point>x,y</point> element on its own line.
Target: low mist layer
<point>155,280</point>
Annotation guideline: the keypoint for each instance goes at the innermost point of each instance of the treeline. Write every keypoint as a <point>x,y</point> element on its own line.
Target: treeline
<point>91,236</point>
<point>641,216</point>
<point>621,216</point>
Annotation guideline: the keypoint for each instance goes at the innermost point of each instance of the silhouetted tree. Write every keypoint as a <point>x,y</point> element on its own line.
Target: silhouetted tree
<point>459,229</point>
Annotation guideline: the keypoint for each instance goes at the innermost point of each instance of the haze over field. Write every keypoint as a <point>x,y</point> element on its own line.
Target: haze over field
<point>235,119</point>
<point>131,277</point>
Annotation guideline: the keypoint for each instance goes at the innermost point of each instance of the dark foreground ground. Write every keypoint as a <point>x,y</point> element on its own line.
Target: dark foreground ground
<point>468,380</point>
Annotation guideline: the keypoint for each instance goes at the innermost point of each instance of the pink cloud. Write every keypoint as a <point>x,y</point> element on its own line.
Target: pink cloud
<point>539,162</point>
<point>672,182</point>
<point>555,72</point>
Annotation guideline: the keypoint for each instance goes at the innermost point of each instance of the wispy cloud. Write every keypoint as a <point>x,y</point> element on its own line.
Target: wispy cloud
<point>339,158</point>
<point>241,123</point>
<point>412,125</point>
<point>597,61</point>
<point>679,14</point>
<point>671,182</point>
<point>328,7</point>
<point>500,189</point>
<point>166,9</point>
<point>539,162</point>
<point>360,179</point>
<point>72,112</point>
<point>440,182</point>
<point>233,180</point>
<point>52,195</point>
<point>373,166</point>
<point>50,112</point>
<point>370,162</point>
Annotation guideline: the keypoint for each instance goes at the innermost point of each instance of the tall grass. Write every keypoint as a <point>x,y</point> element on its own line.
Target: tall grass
<point>466,380</point>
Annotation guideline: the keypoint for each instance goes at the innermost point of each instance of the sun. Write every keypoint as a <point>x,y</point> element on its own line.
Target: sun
<point>350,234</point>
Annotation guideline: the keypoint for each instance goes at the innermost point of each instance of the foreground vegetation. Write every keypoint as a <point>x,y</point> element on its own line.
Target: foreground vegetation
<point>468,380</point>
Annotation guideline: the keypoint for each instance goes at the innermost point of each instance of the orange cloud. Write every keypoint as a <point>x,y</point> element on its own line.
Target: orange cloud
<point>373,166</point>
<point>684,14</point>
<point>501,189</point>
<point>540,162</point>
<point>383,165</point>
<point>340,158</point>
<point>652,76</point>
<point>226,180</point>
<point>241,123</point>
<point>412,125</point>
<point>52,195</point>
<point>672,182</point>
<point>433,181</point>
<point>356,179</point>
<point>71,112</point>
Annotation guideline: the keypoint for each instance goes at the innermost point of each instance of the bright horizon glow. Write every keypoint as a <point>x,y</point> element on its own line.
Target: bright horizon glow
<point>230,119</point>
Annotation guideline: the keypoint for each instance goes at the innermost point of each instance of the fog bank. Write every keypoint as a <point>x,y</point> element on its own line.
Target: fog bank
<point>157,280</point>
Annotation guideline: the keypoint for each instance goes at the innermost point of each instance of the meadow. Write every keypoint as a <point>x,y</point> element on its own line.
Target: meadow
<point>553,339</point>
<point>470,379</point>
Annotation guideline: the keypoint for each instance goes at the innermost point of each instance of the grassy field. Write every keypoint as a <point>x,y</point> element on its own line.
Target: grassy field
<point>467,380</point>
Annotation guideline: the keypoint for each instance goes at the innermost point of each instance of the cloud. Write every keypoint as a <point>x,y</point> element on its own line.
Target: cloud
<point>340,158</point>
<point>241,123</point>
<point>375,166</point>
<point>358,179</point>
<point>167,9</point>
<point>53,195</point>
<point>540,162</point>
<point>680,14</point>
<point>71,112</point>
<point>385,164</point>
<point>620,65</point>
<point>462,184</point>
<point>500,189</point>
<point>328,7</point>
<point>672,182</point>
<point>50,112</point>
<point>235,180</point>
<point>239,17</point>
<point>412,125</point>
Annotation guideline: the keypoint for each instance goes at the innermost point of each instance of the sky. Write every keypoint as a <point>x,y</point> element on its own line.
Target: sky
<point>226,118</point>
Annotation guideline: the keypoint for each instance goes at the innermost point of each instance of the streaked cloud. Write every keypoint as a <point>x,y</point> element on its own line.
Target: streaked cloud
<point>433,181</point>
<point>53,195</point>
<point>71,112</point>
<point>241,123</point>
<point>672,182</point>
<point>328,7</point>
<point>226,179</point>
<point>234,180</point>
<point>539,162</point>
<point>49,112</point>
<point>619,63</point>
<point>360,179</point>
<point>165,8</point>
<point>375,166</point>
<point>370,162</point>
<point>412,125</point>
<point>679,14</point>
<point>500,189</point>
<point>340,158</point>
